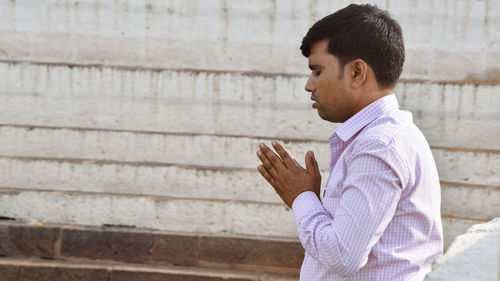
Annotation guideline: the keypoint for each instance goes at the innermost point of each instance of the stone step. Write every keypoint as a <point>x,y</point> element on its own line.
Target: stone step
<point>270,255</point>
<point>147,34</point>
<point>196,182</point>
<point>167,213</point>
<point>218,217</point>
<point>208,102</point>
<point>454,165</point>
<point>16,269</point>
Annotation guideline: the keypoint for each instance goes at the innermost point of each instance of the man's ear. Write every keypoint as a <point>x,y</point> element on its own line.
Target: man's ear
<point>357,72</point>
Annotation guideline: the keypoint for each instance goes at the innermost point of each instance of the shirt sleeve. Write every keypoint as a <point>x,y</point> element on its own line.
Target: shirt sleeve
<point>340,232</point>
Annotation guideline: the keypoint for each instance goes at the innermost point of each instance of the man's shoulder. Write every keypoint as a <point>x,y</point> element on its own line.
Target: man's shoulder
<point>394,138</point>
<point>393,129</point>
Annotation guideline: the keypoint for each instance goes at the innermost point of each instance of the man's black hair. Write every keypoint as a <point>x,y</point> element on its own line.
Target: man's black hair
<point>362,32</point>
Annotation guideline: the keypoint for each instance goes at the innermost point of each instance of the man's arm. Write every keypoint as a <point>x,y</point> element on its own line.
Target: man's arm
<point>342,240</point>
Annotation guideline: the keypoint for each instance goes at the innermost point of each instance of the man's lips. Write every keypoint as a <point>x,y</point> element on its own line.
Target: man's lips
<point>315,104</point>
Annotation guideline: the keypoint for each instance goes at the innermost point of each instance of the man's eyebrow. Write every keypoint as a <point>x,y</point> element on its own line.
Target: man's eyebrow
<point>314,66</point>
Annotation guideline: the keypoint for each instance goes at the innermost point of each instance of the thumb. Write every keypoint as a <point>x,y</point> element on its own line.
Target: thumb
<point>311,163</point>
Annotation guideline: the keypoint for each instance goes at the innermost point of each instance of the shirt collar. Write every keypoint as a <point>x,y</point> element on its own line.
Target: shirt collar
<point>364,117</point>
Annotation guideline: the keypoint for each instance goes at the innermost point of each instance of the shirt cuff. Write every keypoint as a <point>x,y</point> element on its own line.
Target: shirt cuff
<point>306,203</point>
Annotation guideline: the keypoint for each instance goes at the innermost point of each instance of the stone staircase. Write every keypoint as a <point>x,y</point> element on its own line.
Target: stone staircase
<point>134,126</point>
<point>69,252</point>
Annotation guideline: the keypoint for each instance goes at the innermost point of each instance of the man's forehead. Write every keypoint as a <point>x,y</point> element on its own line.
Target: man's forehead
<point>318,54</point>
<point>319,47</point>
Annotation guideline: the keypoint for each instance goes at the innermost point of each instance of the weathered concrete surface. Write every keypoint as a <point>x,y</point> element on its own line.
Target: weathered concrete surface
<point>474,255</point>
<point>138,178</point>
<point>226,103</point>
<point>129,99</point>
<point>210,150</point>
<point>173,214</point>
<point>212,34</point>
<point>197,182</point>
<point>476,202</point>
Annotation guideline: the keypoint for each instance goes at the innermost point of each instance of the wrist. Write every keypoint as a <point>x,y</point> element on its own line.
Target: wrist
<point>303,193</point>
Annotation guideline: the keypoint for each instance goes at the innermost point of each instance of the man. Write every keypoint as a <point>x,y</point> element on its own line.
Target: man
<point>379,218</point>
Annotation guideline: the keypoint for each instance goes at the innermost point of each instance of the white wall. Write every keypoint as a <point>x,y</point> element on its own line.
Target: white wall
<point>149,113</point>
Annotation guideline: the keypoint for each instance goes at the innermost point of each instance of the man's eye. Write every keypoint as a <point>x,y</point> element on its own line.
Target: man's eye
<point>317,73</point>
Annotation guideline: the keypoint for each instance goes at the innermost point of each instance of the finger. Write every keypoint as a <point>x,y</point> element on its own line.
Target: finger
<point>316,164</point>
<point>285,155</point>
<point>267,176</point>
<point>272,157</point>
<point>267,164</point>
<point>292,157</point>
<point>311,164</point>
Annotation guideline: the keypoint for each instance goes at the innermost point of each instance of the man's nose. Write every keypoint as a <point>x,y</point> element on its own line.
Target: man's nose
<point>310,85</point>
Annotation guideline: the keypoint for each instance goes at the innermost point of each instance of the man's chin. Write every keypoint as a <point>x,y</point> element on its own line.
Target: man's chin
<point>326,117</point>
<point>322,115</point>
